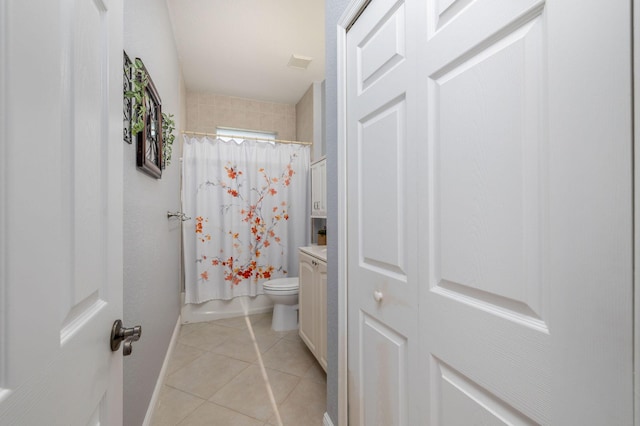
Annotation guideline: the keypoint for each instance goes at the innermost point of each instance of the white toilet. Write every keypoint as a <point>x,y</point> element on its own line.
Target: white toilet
<point>284,294</point>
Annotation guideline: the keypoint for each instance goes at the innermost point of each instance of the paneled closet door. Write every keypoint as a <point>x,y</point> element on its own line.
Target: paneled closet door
<point>489,224</point>
<point>382,140</point>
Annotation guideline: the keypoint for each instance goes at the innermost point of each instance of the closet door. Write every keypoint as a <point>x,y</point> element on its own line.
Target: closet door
<point>489,218</point>
<point>382,142</point>
<point>527,275</point>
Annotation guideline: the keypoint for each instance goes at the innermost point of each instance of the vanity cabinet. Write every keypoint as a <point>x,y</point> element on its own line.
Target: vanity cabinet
<point>319,188</point>
<point>312,299</point>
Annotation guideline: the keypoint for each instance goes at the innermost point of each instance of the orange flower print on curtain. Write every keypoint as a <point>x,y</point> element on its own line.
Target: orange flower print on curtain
<point>263,224</point>
<point>250,209</point>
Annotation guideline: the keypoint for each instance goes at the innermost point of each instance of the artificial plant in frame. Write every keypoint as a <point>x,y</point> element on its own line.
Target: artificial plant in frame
<point>152,128</point>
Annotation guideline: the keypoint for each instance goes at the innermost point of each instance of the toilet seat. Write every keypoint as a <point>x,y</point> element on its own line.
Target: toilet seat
<point>282,285</point>
<point>282,292</point>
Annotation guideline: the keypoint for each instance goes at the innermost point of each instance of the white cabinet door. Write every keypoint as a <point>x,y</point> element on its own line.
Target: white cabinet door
<point>61,216</point>
<point>318,189</point>
<point>312,299</point>
<point>321,296</point>
<point>306,300</point>
<point>489,224</point>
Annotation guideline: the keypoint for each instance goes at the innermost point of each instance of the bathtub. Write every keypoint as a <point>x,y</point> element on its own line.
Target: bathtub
<point>219,309</point>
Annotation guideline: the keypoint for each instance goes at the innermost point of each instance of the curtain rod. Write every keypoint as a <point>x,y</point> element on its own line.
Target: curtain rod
<point>245,138</point>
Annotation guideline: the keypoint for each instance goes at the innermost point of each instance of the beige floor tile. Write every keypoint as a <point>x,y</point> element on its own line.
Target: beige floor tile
<point>293,336</point>
<point>247,392</point>
<point>208,364</point>
<point>181,356</point>
<point>206,374</point>
<point>241,347</point>
<point>235,322</point>
<point>263,327</point>
<point>190,328</point>
<point>260,317</point>
<point>289,357</point>
<point>209,336</point>
<point>173,406</point>
<point>240,322</point>
<point>316,374</point>
<point>209,414</point>
<point>305,406</point>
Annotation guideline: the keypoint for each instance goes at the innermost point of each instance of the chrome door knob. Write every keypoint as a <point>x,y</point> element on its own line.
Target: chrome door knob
<point>121,334</point>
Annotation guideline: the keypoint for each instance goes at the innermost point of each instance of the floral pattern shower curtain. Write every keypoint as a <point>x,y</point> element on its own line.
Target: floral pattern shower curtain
<point>248,205</point>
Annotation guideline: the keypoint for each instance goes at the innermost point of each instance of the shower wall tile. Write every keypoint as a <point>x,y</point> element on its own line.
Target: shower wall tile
<point>192,99</point>
<point>234,103</point>
<point>266,107</point>
<point>291,128</point>
<point>253,120</point>
<point>253,106</point>
<point>220,99</point>
<point>192,117</point>
<point>206,112</point>
<point>210,130</point>
<point>206,99</point>
<point>265,120</point>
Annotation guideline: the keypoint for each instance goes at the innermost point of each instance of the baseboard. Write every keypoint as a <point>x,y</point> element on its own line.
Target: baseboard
<point>163,371</point>
<point>326,420</point>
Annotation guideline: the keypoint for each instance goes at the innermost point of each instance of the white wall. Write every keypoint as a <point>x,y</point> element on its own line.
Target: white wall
<point>304,117</point>
<point>151,242</point>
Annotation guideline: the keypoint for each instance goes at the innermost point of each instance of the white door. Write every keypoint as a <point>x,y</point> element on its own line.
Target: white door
<point>489,224</point>
<point>61,211</point>
<point>382,215</point>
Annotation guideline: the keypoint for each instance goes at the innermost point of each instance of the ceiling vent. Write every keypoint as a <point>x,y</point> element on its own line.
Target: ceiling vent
<point>300,62</point>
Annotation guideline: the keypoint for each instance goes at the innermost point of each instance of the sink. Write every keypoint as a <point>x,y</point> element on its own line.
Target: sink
<point>317,251</point>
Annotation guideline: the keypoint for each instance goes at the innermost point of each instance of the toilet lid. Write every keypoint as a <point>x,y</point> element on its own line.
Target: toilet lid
<point>281,284</point>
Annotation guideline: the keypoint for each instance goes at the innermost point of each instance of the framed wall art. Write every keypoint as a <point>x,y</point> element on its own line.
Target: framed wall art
<point>149,138</point>
<point>127,101</point>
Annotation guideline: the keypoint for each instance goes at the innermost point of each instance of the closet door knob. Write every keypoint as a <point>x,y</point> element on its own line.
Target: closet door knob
<point>377,296</point>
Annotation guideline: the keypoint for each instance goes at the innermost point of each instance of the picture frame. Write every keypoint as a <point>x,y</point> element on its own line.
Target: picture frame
<point>149,140</point>
<point>127,102</point>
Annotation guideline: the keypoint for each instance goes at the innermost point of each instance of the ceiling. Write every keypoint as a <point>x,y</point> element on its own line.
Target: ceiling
<point>242,47</point>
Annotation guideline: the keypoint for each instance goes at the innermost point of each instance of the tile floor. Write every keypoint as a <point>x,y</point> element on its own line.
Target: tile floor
<point>215,377</point>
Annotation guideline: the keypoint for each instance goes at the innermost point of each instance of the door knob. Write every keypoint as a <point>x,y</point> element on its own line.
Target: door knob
<point>377,296</point>
<point>128,335</point>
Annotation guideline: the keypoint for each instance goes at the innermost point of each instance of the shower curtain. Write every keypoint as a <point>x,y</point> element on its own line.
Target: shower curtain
<point>249,207</point>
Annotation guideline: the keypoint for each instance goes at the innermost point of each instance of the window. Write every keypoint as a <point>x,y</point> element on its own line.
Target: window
<point>228,134</point>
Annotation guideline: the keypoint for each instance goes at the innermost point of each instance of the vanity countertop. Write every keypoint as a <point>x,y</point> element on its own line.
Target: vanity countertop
<point>319,252</point>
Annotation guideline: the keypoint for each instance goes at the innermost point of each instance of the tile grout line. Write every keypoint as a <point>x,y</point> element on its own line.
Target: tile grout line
<point>264,373</point>
<point>236,411</point>
<point>191,412</point>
